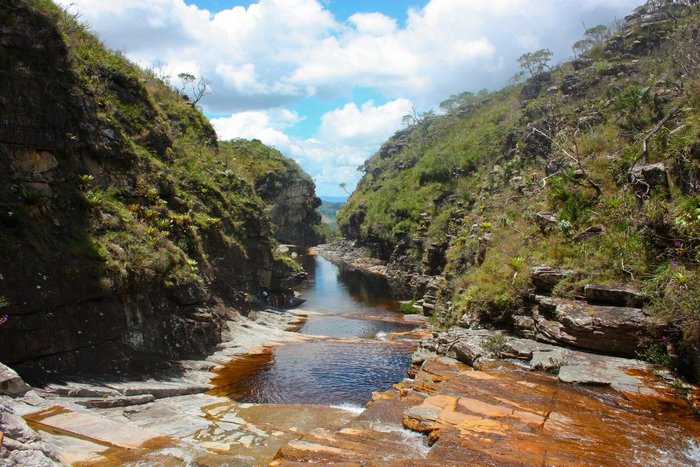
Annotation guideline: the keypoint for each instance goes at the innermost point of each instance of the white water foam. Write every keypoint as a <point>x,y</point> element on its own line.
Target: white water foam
<point>692,452</point>
<point>349,407</point>
<point>411,438</point>
<point>380,335</point>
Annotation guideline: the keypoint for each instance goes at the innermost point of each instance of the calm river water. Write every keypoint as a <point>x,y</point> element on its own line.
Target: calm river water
<point>357,355</point>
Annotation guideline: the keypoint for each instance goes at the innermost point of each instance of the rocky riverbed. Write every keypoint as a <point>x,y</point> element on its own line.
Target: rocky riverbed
<point>170,420</point>
<point>471,396</point>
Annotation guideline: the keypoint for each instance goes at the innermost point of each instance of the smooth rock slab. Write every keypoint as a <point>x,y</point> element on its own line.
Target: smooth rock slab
<point>81,390</point>
<point>122,401</point>
<point>92,427</point>
<point>619,377</point>
<point>159,389</point>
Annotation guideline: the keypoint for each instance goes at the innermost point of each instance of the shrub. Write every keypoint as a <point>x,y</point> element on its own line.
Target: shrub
<point>408,308</point>
<point>494,344</point>
<point>36,204</point>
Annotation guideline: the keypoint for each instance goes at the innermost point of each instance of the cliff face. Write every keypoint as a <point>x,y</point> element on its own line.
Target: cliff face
<point>294,214</point>
<point>119,227</point>
<point>289,192</point>
<point>589,169</point>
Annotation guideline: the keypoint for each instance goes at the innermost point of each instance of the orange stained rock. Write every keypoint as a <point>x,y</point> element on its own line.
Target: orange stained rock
<point>465,422</point>
<point>499,411</point>
<point>385,395</point>
<point>520,406</point>
<point>442,402</point>
<point>481,375</point>
<point>506,415</point>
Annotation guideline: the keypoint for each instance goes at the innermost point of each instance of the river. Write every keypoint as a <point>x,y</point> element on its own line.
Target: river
<point>360,347</point>
<point>303,399</point>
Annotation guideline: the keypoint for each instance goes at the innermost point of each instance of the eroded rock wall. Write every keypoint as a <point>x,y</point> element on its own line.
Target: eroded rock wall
<point>294,213</point>
<point>103,242</point>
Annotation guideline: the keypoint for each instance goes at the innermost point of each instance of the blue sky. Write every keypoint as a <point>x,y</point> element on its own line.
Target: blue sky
<point>341,9</point>
<point>327,81</point>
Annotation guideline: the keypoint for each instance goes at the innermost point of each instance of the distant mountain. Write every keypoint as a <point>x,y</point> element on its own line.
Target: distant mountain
<point>329,209</point>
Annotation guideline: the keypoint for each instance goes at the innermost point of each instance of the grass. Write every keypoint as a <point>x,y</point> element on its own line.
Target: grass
<point>480,177</point>
<point>408,308</point>
<point>156,200</point>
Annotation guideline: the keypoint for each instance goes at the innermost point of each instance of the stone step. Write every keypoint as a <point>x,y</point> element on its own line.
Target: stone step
<point>159,389</point>
<point>618,296</point>
<point>94,428</point>
<point>116,401</point>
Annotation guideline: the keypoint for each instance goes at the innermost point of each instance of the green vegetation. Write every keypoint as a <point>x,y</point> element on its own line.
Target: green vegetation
<point>495,344</point>
<point>468,184</point>
<point>408,308</point>
<point>144,188</point>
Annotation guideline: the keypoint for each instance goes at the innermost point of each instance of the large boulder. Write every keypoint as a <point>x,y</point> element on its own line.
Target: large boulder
<point>11,383</point>
<point>647,178</point>
<point>610,295</point>
<point>610,330</point>
<point>546,221</point>
<point>545,278</point>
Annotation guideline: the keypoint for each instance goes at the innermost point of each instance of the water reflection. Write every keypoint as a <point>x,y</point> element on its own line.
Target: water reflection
<point>346,305</point>
<point>323,373</point>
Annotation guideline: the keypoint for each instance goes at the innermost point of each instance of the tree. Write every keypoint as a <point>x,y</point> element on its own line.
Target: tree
<point>582,46</point>
<point>535,62</point>
<point>195,89</point>
<point>420,120</point>
<point>597,34</point>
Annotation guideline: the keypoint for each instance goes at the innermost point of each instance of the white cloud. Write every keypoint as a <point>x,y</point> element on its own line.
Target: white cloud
<point>268,126</point>
<point>369,123</point>
<point>346,138</point>
<point>373,23</point>
<point>271,54</point>
<point>276,51</point>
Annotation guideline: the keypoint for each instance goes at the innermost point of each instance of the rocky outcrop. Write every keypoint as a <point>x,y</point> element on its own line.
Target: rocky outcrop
<point>618,296</point>
<point>10,382</point>
<point>107,246</point>
<point>294,215</point>
<point>503,415</point>
<point>21,444</point>
<point>545,278</point>
<point>609,329</point>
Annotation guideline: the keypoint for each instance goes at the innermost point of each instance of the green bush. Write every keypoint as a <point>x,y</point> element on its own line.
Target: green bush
<point>408,308</point>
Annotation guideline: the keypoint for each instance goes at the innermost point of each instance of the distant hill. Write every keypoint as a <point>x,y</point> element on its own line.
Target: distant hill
<point>329,208</point>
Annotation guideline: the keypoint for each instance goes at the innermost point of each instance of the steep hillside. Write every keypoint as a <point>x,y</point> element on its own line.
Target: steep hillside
<point>282,184</point>
<point>591,169</point>
<point>121,224</point>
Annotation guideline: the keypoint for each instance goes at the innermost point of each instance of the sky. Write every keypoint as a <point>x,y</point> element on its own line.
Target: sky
<point>326,82</point>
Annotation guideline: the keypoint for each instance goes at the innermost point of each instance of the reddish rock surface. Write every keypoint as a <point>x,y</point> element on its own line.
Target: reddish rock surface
<point>507,415</point>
